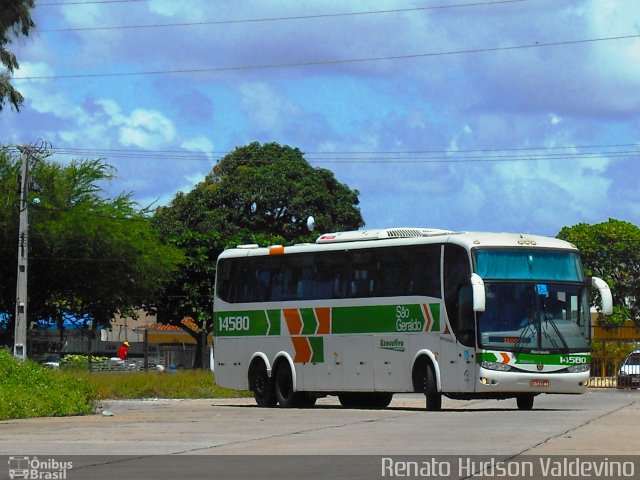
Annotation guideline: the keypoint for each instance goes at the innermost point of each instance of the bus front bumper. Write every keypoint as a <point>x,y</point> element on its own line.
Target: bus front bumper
<point>525,382</point>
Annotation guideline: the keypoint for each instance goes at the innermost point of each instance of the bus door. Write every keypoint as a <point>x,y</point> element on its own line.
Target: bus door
<point>457,346</point>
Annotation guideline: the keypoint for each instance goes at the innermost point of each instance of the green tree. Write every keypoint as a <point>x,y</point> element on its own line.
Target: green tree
<point>15,20</point>
<point>259,193</point>
<point>611,250</point>
<point>88,255</point>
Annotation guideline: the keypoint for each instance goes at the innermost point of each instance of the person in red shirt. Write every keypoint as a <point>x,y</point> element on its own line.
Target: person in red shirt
<point>123,351</point>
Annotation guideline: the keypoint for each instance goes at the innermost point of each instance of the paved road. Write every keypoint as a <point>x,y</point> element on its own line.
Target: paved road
<point>601,422</point>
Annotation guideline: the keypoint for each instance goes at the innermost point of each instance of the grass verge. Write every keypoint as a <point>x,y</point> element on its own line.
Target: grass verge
<point>31,390</point>
<point>182,384</point>
<point>28,389</point>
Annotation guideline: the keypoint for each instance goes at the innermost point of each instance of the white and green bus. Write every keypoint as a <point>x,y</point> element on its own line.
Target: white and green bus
<point>366,314</point>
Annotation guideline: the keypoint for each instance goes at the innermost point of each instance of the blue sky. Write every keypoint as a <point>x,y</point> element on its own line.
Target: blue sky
<point>499,115</point>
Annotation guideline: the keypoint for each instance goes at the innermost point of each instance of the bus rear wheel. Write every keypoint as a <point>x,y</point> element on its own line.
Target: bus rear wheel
<point>285,395</point>
<point>262,386</point>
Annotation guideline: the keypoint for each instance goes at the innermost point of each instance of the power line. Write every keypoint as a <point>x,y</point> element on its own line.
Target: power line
<point>93,151</point>
<point>280,19</point>
<point>329,62</point>
<point>85,2</point>
<point>426,156</point>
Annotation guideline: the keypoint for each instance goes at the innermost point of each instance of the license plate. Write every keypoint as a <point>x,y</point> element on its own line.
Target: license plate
<point>539,383</point>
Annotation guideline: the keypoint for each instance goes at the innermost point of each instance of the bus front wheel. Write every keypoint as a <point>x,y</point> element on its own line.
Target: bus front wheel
<point>525,402</point>
<point>425,382</point>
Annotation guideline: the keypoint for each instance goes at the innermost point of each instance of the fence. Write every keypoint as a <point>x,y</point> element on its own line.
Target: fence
<point>610,346</point>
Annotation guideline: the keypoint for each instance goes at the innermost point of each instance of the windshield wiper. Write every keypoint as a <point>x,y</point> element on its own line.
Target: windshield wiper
<point>518,347</point>
<point>549,319</point>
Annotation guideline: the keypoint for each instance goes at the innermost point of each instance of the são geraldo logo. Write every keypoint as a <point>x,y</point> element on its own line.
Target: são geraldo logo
<point>36,469</point>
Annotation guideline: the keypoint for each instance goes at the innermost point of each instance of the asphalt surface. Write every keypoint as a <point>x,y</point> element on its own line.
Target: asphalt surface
<point>144,436</point>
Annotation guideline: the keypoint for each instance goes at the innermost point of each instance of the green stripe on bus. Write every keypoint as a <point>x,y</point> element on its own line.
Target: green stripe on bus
<point>524,358</point>
<point>274,320</point>
<point>378,319</point>
<point>406,318</point>
<point>248,323</point>
<point>317,347</point>
<point>310,325</point>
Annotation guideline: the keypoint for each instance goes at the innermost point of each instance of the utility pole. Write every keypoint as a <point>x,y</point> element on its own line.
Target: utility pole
<point>20,337</point>
<point>29,153</point>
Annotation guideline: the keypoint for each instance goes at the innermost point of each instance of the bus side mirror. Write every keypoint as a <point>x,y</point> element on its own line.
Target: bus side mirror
<point>605,295</point>
<point>479,294</point>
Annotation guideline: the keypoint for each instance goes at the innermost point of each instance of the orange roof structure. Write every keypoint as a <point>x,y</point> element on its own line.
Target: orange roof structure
<point>186,321</point>
<point>172,334</point>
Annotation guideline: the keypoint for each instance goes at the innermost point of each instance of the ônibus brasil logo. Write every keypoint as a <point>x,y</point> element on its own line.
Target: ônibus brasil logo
<point>33,468</point>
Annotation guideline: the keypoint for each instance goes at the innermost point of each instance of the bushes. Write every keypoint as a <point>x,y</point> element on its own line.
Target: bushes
<point>31,390</point>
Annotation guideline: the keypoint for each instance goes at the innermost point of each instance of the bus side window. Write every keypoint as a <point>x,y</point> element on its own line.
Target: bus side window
<point>425,271</point>
<point>391,272</point>
<point>361,279</point>
<point>223,276</point>
<point>241,282</point>
<point>330,277</point>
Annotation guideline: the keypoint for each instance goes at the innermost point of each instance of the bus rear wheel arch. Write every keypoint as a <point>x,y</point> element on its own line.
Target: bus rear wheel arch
<point>261,384</point>
<point>424,381</point>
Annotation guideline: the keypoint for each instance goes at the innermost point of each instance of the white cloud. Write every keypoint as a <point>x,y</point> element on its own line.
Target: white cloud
<point>199,144</point>
<point>143,128</point>
<point>266,107</point>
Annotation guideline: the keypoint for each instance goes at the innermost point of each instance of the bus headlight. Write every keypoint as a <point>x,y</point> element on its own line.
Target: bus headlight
<point>501,367</point>
<point>584,367</point>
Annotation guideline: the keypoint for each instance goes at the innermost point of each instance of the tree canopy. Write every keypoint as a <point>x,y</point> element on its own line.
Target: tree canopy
<point>611,250</point>
<point>15,20</point>
<point>88,255</point>
<point>259,193</point>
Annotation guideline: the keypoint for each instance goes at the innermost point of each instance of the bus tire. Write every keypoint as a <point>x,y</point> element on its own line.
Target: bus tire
<point>347,400</point>
<point>525,401</point>
<point>425,382</point>
<point>378,399</point>
<point>285,395</point>
<point>262,386</point>
<point>307,400</point>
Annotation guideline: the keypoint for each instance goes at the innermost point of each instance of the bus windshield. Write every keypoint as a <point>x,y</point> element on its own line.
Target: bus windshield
<point>528,264</point>
<point>535,316</point>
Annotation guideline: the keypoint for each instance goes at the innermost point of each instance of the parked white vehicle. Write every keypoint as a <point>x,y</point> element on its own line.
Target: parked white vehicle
<point>629,371</point>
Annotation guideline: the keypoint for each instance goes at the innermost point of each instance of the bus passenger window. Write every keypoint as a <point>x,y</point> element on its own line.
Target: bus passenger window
<point>330,275</point>
<point>425,271</point>
<point>361,281</point>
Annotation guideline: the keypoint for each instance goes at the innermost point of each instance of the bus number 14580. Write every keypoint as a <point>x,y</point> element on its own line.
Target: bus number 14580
<point>234,324</point>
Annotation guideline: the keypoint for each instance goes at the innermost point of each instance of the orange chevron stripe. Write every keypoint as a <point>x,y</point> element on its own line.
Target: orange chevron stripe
<point>505,357</point>
<point>323,315</point>
<point>294,321</point>
<point>303,349</point>
<point>427,325</point>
